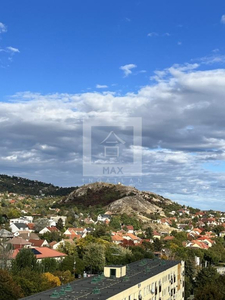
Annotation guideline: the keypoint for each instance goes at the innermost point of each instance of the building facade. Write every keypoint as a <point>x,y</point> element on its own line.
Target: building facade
<point>148,279</point>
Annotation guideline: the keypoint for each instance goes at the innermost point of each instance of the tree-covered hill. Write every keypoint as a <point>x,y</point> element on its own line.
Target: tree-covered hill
<point>18,185</point>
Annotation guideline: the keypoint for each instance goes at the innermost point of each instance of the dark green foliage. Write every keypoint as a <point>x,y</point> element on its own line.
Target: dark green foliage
<point>30,281</point>
<point>25,259</point>
<point>115,223</point>
<point>8,288</point>
<point>59,224</point>
<point>128,220</point>
<point>189,274</point>
<point>67,264</point>
<point>140,253</point>
<point>217,229</point>
<point>103,196</point>
<point>206,277</point>
<point>210,292</point>
<point>51,236</point>
<point>24,186</point>
<point>49,265</point>
<point>157,245</point>
<point>149,233</point>
<point>209,285</point>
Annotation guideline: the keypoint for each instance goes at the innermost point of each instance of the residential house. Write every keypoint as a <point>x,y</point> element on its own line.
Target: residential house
<point>62,243</point>
<point>104,218</point>
<point>55,219</point>
<point>43,252</point>
<point>156,235</point>
<point>117,239</point>
<point>197,245</point>
<point>168,238</point>
<point>17,227</point>
<point>49,229</point>
<point>131,237</point>
<point>27,235</point>
<point>75,232</point>
<point>18,242</point>
<point>38,243</point>
<point>129,228</point>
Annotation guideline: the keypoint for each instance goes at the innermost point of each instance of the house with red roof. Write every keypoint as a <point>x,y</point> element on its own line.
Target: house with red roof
<point>197,245</point>
<point>74,232</point>
<point>169,238</point>
<point>156,235</point>
<point>49,229</point>
<point>117,239</point>
<point>206,240</point>
<point>128,228</point>
<point>43,252</point>
<point>38,243</point>
<point>131,237</point>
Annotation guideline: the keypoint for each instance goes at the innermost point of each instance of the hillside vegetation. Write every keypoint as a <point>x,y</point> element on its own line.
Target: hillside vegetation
<point>18,185</point>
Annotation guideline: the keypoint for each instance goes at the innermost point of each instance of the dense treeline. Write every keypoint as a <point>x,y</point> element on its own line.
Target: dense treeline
<point>24,186</point>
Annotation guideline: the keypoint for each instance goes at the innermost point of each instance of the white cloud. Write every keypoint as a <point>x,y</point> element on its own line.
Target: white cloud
<point>101,86</point>
<point>179,43</point>
<point>213,59</point>
<point>3,28</point>
<point>13,50</point>
<point>183,132</point>
<point>222,19</point>
<point>127,69</point>
<point>152,34</point>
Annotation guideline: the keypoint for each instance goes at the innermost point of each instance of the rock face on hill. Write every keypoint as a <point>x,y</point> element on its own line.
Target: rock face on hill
<point>118,199</point>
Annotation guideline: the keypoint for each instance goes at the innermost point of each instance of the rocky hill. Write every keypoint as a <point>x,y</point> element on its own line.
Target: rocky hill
<point>119,199</point>
<point>18,185</point>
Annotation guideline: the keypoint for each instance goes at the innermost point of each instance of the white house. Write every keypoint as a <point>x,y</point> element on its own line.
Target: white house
<point>16,227</point>
<point>103,218</point>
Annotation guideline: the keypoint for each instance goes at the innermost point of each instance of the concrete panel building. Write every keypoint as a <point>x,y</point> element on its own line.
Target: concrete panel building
<point>148,279</point>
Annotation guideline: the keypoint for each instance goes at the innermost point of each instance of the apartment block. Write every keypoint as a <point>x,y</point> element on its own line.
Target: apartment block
<point>148,279</point>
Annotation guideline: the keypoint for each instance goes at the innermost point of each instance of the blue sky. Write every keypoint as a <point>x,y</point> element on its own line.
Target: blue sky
<point>163,61</point>
<point>72,46</point>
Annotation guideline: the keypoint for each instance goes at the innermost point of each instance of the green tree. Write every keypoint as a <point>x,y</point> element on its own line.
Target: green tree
<point>67,264</point>
<point>210,292</point>
<point>49,265</point>
<point>25,259</point>
<point>94,257</point>
<point>8,288</point>
<point>115,223</point>
<point>206,277</point>
<point>157,245</point>
<point>149,233</point>
<point>51,236</point>
<point>59,224</point>
<point>217,229</point>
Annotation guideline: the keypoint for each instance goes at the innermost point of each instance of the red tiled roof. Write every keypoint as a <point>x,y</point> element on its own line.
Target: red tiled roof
<point>52,244</point>
<point>36,243</point>
<point>44,253</point>
<point>117,238</point>
<point>202,245</point>
<point>132,236</point>
<point>53,228</point>
<point>31,226</point>
<point>169,238</point>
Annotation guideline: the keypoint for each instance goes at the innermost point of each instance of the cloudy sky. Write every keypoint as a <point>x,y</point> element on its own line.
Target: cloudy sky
<point>63,63</point>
